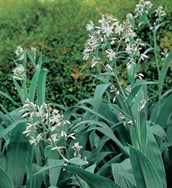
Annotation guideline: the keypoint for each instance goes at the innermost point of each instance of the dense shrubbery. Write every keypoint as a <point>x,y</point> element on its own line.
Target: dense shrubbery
<point>58,30</point>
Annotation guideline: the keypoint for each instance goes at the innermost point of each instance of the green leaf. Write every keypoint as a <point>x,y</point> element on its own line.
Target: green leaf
<point>109,133</point>
<point>77,161</point>
<point>5,180</point>
<point>100,90</point>
<point>123,174</point>
<point>33,85</point>
<point>145,173</point>
<point>54,173</point>
<point>107,166</point>
<point>165,112</point>
<point>164,69</point>
<point>154,154</point>
<point>47,151</point>
<point>31,54</point>
<point>93,180</point>
<point>10,128</point>
<point>158,131</point>
<point>131,68</point>
<point>16,154</point>
<point>133,93</point>
<point>41,87</point>
<point>8,97</point>
<point>20,91</point>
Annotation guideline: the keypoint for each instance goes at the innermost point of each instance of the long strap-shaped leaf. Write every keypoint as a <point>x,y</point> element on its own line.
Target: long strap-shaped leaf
<point>16,155</point>
<point>154,154</point>
<point>41,87</point>
<point>5,181</point>
<point>33,85</point>
<point>144,172</point>
<point>93,180</point>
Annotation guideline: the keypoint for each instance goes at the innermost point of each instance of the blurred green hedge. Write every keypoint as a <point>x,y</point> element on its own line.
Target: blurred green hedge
<point>57,29</point>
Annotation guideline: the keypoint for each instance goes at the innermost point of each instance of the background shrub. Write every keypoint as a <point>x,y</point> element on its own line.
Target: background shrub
<point>58,30</point>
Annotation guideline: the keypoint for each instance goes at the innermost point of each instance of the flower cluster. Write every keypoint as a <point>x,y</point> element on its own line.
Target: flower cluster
<point>19,53</point>
<point>143,8</point>
<point>115,39</point>
<point>45,124</point>
<point>19,73</point>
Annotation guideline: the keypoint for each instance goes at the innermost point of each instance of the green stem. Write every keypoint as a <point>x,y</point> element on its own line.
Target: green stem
<point>155,52</point>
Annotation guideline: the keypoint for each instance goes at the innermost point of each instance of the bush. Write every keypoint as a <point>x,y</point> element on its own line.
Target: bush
<point>58,30</point>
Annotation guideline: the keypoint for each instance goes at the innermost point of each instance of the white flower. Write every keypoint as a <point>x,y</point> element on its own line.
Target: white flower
<point>110,54</point>
<point>95,61</point>
<point>160,12</point>
<point>128,89</point>
<point>54,138</point>
<point>19,53</point>
<point>143,57</point>
<point>107,29</point>
<point>72,136</point>
<point>87,53</point>
<point>121,116</point>
<point>142,104</point>
<point>109,67</point>
<point>36,140</point>
<point>90,26</point>
<point>63,134</point>
<point>31,128</point>
<point>140,76</point>
<point>143,7</point>
<point>119,29</point>
<point>106,18</point>
<point>128,49</point>
<point>19,72</point>
<point>77,146</point>
<point>56,117</point>
<point>165,54</point>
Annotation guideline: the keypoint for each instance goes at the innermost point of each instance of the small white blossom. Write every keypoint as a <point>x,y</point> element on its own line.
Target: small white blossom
<point>19,72</point>
<point>110,54</point>
<point>31,128</point>
<point>90,26</point>
<point>140,76</point>
<point>119,29</point>
<point>53,137</point>
<point>121,116</point>
<point>107,29</point>
<point>35,141</point>
<point>143,7</point>
<point>143,57</point>
<point>77,149</point>
<point>72,136</point>
<point>19,53</point>
<point>77,146</point>
<point>165,54</point>
<point>160,12</point>
<point>109,67</point>
<point>128,89</point>
<point>63,134</point>
<point>95,61</point>
<point>142,105</point>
